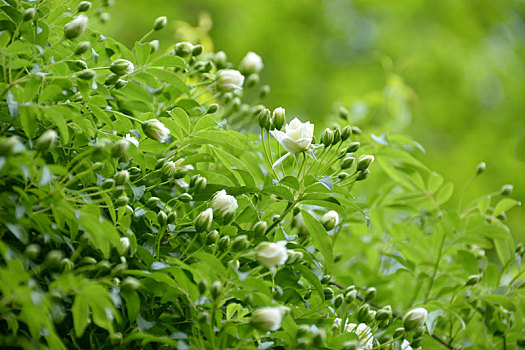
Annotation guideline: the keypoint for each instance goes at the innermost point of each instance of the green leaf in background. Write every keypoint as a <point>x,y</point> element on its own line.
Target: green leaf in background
<point>320,240</point>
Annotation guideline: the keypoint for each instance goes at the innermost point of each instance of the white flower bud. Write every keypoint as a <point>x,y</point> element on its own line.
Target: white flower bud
<point>76,27</point>
<point>267,318</point>
<point>272,254</point>
<point>160,23</point>
<point>330,219</point>
<point>203,220</point>
<point>279,118</point>
<point>251,63</point>
<point>124,243</point>
<point>364,162</point>
<point>229,80</point>
<point>155,129</point>
<point>223,203</point>
<point>121,67</point>
<point>414,319</point>
<point>47,141</point>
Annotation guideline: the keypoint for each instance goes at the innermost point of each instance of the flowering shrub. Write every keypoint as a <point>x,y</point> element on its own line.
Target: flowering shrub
<point>141,210</point>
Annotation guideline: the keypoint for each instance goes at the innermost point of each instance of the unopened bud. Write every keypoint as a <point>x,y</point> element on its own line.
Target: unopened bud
<point>337,136</point>
<point>328,293</point>
<point>183,49</point>
<point>203,286</point>
<point>346,133</point>
<point>325,279</point>
<point>264,118</point>
<point>354,146</point>
<point>111,79</point>
<point>252,80</point>
<point>76,27</point>
<point>213,108</point>
<point>197,50</point>
<point>152,202</point>
<point>86,74</point>
<point>216,289</point>
<point>122,201</point>
<point>82,47</point>
<point>204,220</point>
<point>120,148</point>
<point>220,59</point>
<point>473,279</point>
<point>330,219</point>
<point>172,217</point>
<point>53,258</point>
<point>327,138</point>
<point>168,169</point>
<point>32,251</point>
<point>260,228</point>
<point>47,141</point>
<point>179,173</point>
<point>124,244</point>
<point>121,67</point>
<point>107,184</point>
<point>338,301</point>
<point>212,236</point>
<point>121,84</point>
<point>279,118</point>
<point>343,113</point>
<point>347,162</point>
<point>200,184</point>
<point>224,243</point>
<point>185,198</point>
<point>350,296</point>
<point>160,23</point>
<point>240,243</point>
<point>154,46</point>
<point>370,294</point>
<point>362,313</point>
<point>362,175</point>
<point>414,319</point>
<point>162,217</point>
<point>364,162</point>
<point>384,313</point>
<point>29,14</point>
<point>506,190</point>
<point>265,91</point>
<point>352,345</point>
<point>398,332</point>
<point>84,6</point>
<point>480,168</point>
<point>129,284</point>
<point>122,177</point>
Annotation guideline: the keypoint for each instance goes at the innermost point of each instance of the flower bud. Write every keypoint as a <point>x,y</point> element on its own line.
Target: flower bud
<point>327,138</point>
<point>216,289</point>
<point>185,198</point>
<point>352,345</point>
<point>229,80</point>
<point>350,296</point>
<point>364,162</point>
<point>179,173</point>
<point>362,175</point>
<point>308,295</point>
<point>203,286</point>
<point>32,251</point>
<point>200,184</point>
<point>330,219</point>
<point>47,141</point>
<point>29,14</point>
<point>53,258</point>
<point>212,236</point>
<point>398,332</point>
<point>122,177</point>
<point>119,191</point>
<point>82,47</point>
<point>197,50</point>
<point>480,168</point>
<point>124,244</point>
<point>267,319</point>
<point>347,162</point>
<point>156,130</point>
<point>264,119</point>
<point>370,294</point>
<point>472,280</point>
<point>260,228</point>
<point>129,284</point>
<point>251,63</point>
<point>86,74</point>
<point>328,293</point>
<point>121,84</point>
<point>162,218</point>
<point>338,301</point>
<point>120,148</point>
<point>240,243</point>
<point>384,313</point>
<point>122,201</point>
<point>10,146</point>
<point>213,108</point>
<point>265,91</point>
<point>343,113</point>
<point>279,118</point>
<point>204,220</point>
<point>66,265</point>
<point>76,27</point>
<point>111,79</point>
<point>362,313</point>
<point>154,46</point>
<point>183,49</point>
<point>506,190</point>
<point>168,169</point>
<point>414,319</point>
<point>224,243</point>
<point>352,147</point>
<point>294,256</point>
<point>160,23</point>
<point>220,59</point>
<point>325,279</point>
<point>337,136</point>
<point>346,133</point>
<point>152,202</point>
<point>252,80</point>
<point>172,217</point>
<point>318,339</point>
<point>121,67</point>
<point>84,6</point>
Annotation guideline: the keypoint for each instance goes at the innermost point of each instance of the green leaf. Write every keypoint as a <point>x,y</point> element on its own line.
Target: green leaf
<point>320,240</point>
<point>290,181</point>
<point>181,118</point>
<point>504,205</point>
<point>311,278</point>
<point>169,61</point>
<point>445,193</point>
<point>142,52</point>
<point>279,191</point>
<point>80,310</point>
<point>171,78</point>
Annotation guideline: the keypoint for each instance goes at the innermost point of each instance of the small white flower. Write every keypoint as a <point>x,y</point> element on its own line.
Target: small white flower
<point>156,130</point>
<point>363,332</point>
<point>229,80</point>
<point>132,139</point>
<point>223,202</point>
<point>272,254</point>
<point>296,138</point>
<point>405,345</point>
<point>330,220</point>
<point>251,63</point>
<point>267,318</point>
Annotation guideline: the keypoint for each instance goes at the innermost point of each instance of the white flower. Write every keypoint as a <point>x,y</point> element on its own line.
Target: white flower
<point>405,345</point>
<point>229,80</point>
<point>363,332</point>
<point>132,139</point>
<point>222,202</point>
<point>272,254</point>
<point>251,63</point>
<point>124,242</point>
<point>267,318</point>
<point>296,138</point>
<point>155,129</point>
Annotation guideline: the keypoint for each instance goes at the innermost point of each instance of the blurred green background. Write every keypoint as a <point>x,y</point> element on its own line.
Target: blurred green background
<point>450,73</point>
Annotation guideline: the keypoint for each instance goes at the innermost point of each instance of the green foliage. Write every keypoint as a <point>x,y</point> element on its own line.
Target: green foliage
<point>144,207</point>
